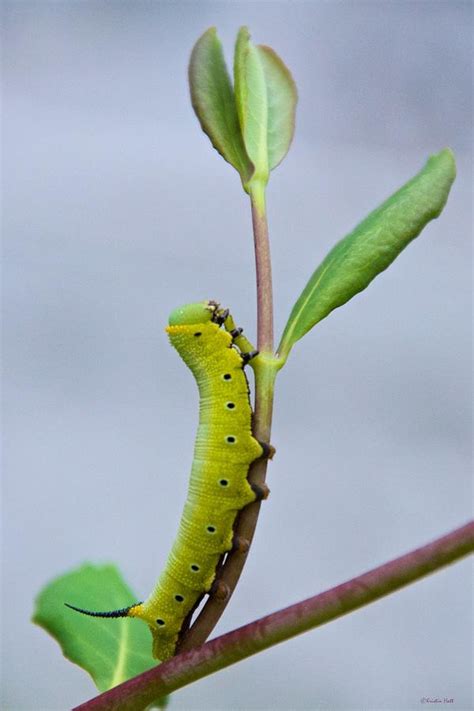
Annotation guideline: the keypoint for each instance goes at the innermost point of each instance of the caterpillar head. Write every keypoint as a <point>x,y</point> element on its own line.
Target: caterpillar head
<point>201,312</point>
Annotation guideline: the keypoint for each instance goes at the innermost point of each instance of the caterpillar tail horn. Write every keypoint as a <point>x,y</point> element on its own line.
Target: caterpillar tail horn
<point>123,612</point>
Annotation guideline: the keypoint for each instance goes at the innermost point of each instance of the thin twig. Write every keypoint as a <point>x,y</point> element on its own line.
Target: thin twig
<point>137,693</point>
<point>263,270</point>
<point>246,522</point>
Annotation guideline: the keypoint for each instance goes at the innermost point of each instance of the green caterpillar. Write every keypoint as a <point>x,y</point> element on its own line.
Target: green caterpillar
<point>218,488</point>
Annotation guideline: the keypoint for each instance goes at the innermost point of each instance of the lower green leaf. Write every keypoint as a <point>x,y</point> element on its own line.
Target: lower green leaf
<point>110,650</point>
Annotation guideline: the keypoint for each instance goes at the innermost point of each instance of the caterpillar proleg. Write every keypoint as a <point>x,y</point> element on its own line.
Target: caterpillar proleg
<point>218,488</point>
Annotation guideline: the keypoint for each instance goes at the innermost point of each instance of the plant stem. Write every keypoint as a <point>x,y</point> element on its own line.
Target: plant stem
<point>263,268</point>
<point>265,373</point>
<point>221,652</point>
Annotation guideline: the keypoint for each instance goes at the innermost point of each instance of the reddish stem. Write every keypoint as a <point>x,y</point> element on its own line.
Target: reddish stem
<point>263,268</point>
<point>137,693</point>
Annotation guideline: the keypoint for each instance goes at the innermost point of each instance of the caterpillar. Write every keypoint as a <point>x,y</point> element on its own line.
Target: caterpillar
<point>218,487</point>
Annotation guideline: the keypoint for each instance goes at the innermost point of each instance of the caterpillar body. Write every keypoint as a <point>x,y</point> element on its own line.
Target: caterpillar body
<point>218,488</point>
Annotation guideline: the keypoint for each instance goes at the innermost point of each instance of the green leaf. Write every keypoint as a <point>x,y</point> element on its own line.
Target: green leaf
<point>251,100</point>
<point>282,97</point>
<point>110,650</point>
<point>212,97</point>
<point>252,123</point>
<point>371,247</point>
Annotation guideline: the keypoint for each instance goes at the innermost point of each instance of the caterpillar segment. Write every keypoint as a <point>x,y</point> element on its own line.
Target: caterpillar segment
<point>218,487</point>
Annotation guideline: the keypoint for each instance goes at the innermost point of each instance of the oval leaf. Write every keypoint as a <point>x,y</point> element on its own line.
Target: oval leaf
<point>213,101</point>
<point>110,650</point>
<point>282,97</point>
<point>371,247</point>
<point>251,100</point>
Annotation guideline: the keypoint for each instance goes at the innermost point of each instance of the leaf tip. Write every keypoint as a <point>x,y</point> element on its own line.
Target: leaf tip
<point>211,31</point>
<point>270,52</point>
<point>243,32</point>
<point>209,34</point>
<point>442,166</point>
<point>446,160</point>
<point>450,158</point>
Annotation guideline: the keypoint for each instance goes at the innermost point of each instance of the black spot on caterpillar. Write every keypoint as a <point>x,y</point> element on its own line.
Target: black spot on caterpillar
<point>218,487</point>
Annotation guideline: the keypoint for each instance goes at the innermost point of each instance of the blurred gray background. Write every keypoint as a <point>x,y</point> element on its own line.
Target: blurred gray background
<point>116,211</point>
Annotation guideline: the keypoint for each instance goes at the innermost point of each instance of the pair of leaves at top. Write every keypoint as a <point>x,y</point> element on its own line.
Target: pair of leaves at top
<point>252,123</point>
